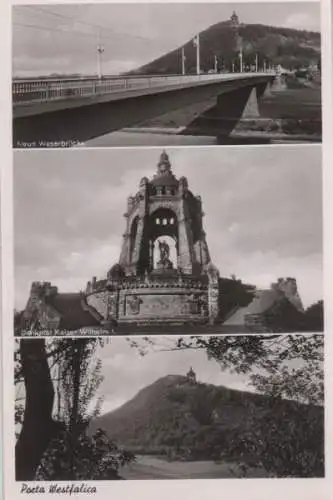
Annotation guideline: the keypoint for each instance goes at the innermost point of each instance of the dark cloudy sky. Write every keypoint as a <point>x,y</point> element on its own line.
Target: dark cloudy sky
<point>262,209</point>
<point>132,34</point>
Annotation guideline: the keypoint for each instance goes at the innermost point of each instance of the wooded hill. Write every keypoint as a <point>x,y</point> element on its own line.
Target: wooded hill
<point>289,47</point>
<point>180,419</point>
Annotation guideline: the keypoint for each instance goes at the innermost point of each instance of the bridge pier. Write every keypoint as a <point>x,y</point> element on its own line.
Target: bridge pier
<point>230,109</point>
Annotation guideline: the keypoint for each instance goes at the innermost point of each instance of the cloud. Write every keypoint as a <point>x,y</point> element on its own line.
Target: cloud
<point>126,372</point>
<point>301,20</point>
<point>132,34</point>
<point>263,212</point>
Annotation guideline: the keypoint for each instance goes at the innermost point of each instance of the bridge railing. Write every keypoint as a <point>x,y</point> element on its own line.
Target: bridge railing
<point>44,90</point>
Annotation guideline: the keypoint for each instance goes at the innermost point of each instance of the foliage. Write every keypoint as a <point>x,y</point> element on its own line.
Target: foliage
<point>314,317</point>
<point>289,47</point>
<point>94,458</point>
<point>79,378</point>
<point>281,429</point>
<point>286,441</point>
<point>71,453</point>
<point>290,441</point>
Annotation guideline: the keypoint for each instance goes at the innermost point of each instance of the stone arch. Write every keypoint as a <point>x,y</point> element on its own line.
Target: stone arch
<point>163,222</point>
<point>173,256</point>
<point>163,225</point>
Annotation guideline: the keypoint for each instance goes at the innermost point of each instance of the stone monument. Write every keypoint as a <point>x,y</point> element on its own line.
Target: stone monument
<point>164,276</point>
<point>146,286</point>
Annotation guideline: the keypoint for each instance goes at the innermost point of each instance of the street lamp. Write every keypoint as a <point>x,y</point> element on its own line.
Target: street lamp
<point>100,50</point>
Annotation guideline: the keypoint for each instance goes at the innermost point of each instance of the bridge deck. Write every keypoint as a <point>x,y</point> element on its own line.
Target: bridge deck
<point>46,90</point>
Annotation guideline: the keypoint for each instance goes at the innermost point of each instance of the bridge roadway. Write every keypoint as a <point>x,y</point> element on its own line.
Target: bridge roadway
<point>49,112</point>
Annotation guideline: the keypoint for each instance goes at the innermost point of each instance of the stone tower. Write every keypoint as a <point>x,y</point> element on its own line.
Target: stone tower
<point>164,273</point>
<point>234,20</point>
<point>164,206</point>
<point>191,376</point>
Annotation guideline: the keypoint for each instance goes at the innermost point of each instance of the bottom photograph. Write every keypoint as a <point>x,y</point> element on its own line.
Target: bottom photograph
<point>169,407</point>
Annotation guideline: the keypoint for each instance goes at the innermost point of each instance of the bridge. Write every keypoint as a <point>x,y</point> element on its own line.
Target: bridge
<point>65,112</point>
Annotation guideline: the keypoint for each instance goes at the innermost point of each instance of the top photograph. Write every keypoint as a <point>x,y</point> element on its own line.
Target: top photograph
<point>166,74</point>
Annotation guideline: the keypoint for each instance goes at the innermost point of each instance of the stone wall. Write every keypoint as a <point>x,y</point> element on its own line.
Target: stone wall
<point>167,305</point>
<point>100,302</point>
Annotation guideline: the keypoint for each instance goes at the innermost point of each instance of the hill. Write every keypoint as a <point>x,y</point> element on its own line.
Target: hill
<point>289,47</point>
<point>184,420</point>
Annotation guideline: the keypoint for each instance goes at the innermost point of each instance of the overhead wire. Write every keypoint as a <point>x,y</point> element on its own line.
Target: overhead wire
<point>85,23</point>
<point>45,28</point>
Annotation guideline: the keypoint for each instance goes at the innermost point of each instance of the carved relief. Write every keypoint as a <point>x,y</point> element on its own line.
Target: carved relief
<point>161,305</point>
<point>112,305</point>
<point>133,304</point>
<point>170,204</point>
<point>194,305</point>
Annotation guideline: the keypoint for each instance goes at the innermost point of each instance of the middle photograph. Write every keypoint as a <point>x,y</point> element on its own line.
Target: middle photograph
<point>187,240</point>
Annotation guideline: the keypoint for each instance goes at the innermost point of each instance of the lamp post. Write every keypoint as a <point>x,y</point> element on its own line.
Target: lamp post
<point>100,50</point>
<point>241,60</point>
<point>215,64</point>
<point>183,61</point>
<point>196,43</point>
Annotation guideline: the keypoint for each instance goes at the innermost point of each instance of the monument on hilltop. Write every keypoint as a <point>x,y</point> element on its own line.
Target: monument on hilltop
<point>234,19</point>
<point>191,376</point>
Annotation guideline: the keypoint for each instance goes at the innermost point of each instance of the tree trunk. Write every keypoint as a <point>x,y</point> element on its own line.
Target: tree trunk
<point>77,350</point>
<point>38,426</point>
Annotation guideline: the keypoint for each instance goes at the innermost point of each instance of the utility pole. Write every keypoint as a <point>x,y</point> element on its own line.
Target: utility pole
<point>256,63</point>
<point>215,64</point>
<point>241,60</point>
<point>196,43</point>
<point>183,61</point>
<point>264,66</point>
<point>100,50</point>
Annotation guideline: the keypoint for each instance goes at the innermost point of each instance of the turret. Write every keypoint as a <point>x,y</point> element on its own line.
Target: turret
<point>191,376</point>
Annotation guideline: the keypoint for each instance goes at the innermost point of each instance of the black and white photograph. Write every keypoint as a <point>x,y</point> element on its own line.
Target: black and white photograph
<point>169,408</point>
<point>185,240</point>
<point>165,221</point>
<point>163,74</point>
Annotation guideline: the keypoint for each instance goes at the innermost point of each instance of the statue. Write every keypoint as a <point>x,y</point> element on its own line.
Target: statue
<point>164,251</point>
<point>164,262</point>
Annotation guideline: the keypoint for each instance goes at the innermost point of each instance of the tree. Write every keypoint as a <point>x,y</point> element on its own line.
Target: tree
<point>314,317</point>
<point>38,426</point>
<point>289,439</point>
<point>57,445</point>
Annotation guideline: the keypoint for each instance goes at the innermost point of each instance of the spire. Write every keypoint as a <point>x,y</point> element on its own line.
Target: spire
<point>164,165</point>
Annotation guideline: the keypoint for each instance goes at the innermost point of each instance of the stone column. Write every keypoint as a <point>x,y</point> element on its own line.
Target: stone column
<point>213,293</point>
<point>135,258</point>
<point>185,240</point>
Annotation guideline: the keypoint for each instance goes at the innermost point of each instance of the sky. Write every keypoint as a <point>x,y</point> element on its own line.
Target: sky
<point>126,372</point>
<point>262,205</point>
<point>55,38</point>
